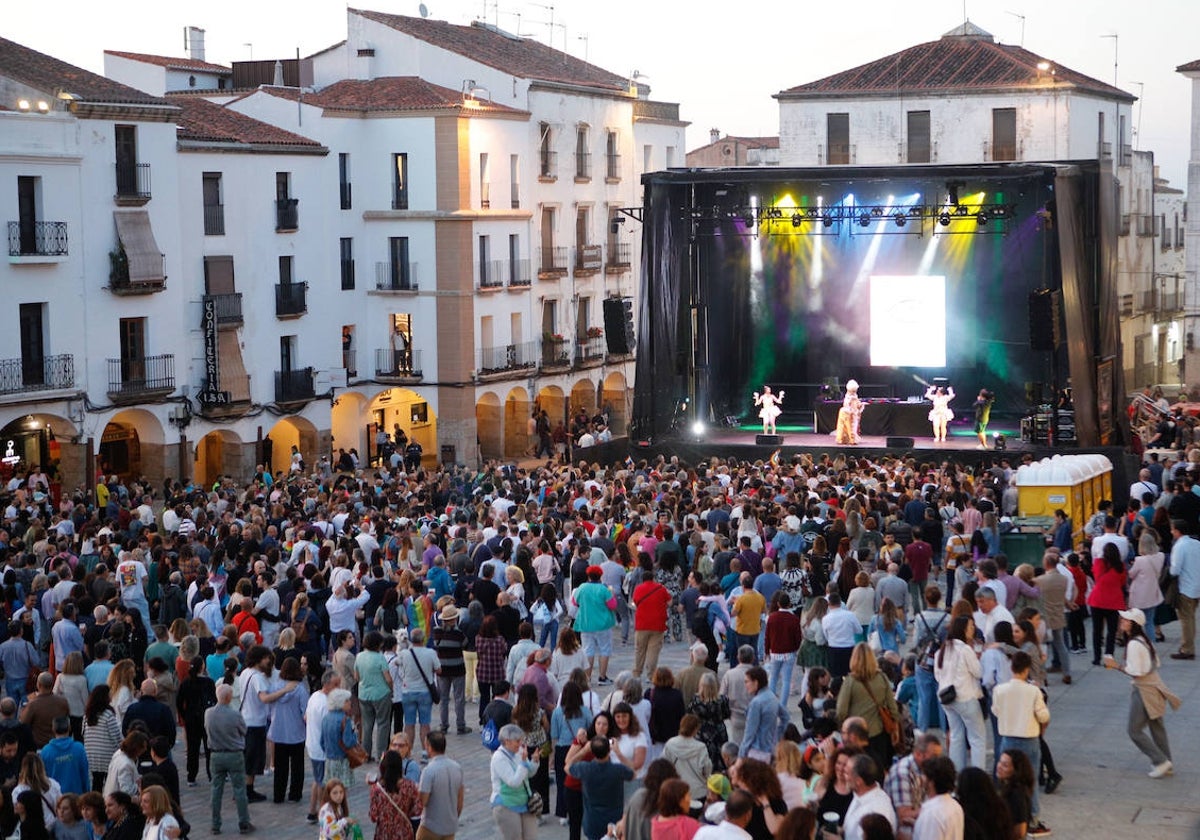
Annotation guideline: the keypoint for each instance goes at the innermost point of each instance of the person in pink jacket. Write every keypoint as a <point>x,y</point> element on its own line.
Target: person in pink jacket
<point>1106,599</point>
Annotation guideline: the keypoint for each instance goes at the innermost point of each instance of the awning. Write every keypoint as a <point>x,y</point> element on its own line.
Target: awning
<point>233,369</point>
<point>141,251</point>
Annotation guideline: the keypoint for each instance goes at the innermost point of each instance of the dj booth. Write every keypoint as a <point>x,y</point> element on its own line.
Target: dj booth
<point>880,418</point>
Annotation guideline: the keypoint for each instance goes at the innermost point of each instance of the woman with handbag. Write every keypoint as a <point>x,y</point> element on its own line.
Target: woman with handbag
<point>515,808</point>
<point>419,667</point>
<point>866,693</point>
<point>957,671</point>
<point>528,715</point>
<point>339,741</point>
<point>394,800</point>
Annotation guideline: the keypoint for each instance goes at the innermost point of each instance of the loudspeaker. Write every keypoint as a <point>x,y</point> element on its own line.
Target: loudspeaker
<point>1044,332</point>
<point>900,443</point>
<point>618,325</point>
<point>768,440</point>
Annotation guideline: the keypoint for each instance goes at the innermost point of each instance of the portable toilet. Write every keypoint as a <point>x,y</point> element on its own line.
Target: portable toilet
<point>1075,483</point>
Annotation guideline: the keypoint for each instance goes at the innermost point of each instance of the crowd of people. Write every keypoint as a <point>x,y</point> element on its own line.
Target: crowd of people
<point>854,636</point>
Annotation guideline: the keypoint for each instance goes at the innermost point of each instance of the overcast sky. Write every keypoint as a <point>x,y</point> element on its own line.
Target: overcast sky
<point>720,60</point>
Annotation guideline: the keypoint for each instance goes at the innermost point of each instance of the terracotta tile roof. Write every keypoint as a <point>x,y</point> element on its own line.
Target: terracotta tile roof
<point>1190,66</point>
<point>520,57</point>
<point>951,63</point>
<point>172,63</point>
<point>387,93</point>
<point>46,73</point>
<point>202,120</point>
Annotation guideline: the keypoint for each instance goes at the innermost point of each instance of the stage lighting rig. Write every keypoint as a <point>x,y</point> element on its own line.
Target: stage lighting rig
<point>797,220</point>
<point>952,188</point>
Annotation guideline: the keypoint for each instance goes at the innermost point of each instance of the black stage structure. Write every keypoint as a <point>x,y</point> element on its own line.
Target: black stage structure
<point>757,276</point>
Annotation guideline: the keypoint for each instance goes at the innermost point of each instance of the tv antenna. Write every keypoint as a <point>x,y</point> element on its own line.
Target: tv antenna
<point>1022,19</point>
<point>423,10</point>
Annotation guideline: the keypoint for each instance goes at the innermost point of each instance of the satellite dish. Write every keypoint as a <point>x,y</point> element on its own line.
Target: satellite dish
<point>424,10</point>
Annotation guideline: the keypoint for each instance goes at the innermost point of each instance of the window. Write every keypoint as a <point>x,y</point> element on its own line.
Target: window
<point>514,181</point>
<point>400,359</point>
<point>133,349</point>
<point>487,277</point>
<point>33,344</point>
<point>287,353</point>
<point>344,191</point>
<point>287,217</point>
<point>670,156</point>
<point>125,140</point>
<point>1123,160</point>
<point>647,157</point>
<point>582,321</point>
<point>487,330</point>
<point>546,162</point>
<point>918,137</point>
<point>400,276</point>
<point>285,270</point>
<point>583,158</point>
<point>349,350</point>
<point>837,139</point>
<point>549,318</point>
<point>400,181</point>
<point>346,248</point>
<point>29,199</point>
<point>283,186</point>
<point>583,227</point>
<point>1004,134</point>
<point>514,260</point>
<point>612,157</point>
<point>485,185</point>
<point>214,208</point>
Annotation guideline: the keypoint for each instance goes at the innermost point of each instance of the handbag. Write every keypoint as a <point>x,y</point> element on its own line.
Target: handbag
<point>890,725</point>
<point>356,756</point>
<point>434,695</point>
<point>948,695</point>
<point>534,805</point>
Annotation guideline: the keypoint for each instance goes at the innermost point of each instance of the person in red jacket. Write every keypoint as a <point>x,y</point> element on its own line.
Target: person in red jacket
<point>1078,606</point>
<point>650,603</point>
<point>782,640</point>
<point>1106,599</point>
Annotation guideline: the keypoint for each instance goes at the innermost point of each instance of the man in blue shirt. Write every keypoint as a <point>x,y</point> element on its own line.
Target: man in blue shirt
<point>65,759</point>
<point>1185,564</point>
<point>100,668</point>
<point>603,788</point>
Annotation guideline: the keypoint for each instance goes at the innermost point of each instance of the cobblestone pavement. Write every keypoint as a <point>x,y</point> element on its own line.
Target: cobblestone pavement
<point>1105,792</point>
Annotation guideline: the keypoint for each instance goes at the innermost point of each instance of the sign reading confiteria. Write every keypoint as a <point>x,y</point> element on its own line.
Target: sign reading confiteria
<point>211,394</point>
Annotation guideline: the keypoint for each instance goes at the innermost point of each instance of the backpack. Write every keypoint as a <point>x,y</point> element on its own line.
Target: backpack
<point>300,625</point>
<point>490,735</point>
<point>926,657</point>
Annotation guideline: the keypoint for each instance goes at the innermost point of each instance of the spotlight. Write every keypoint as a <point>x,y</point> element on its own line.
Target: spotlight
<point>982,218</point>
<point>813,212</point>
<point>797,220</point>
<point>962,210</point>
<point>698,429</point>
<point>1000,442</point>
<point>827,220</point>
<point>23,104</point>
<point>944,219</point>
<point>876,211</point>
<point>865,219</point>
<point>900,218</point>
<point>43,106</point>
<point>774,213</point>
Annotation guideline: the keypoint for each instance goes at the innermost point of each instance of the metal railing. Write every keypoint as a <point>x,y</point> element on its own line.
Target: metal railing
<point>291,299</point>
<point>133,180</point>
<point>554,352</point>
<point>287,214</point>
<point>583,165</point>
<point>396,276</point>
<point>839,154</point>
<point>619,254</point>
<point>614,166</point>
<point>390,362</point>
<point>554,259</point>
<point>134,376</point>
<point>350,362</point>
<point>589,257</point>
<point>294,385</point>
<point>547,164</point>
<point>20,375</point>
<point>37,239</point>
<point>517,272</point>
<point>214,219</point>
<point>589,348</point>
<point>228,307</point>
<point>485,195</point>
<point>492,273</point>
<point>507,357</point>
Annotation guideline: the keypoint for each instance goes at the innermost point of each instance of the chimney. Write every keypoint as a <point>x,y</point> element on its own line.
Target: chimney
<point>278,80</point>
<point>193,42</point>
<point>714,134</point>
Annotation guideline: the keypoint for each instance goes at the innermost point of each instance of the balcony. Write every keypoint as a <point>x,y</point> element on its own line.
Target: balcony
<point>554,262</point>
<point>391,363</point>
<point>214,219</point>
<point>1149,301</point>
<point>294,385</point>
<point>228,309</point>
<point>140,379</point>
<point>590,349</point>
<point>547,165</point>
<point>51,373</point>
<point>291,300</point>
<point>350,363</point>
<point>612,168</point>
<point>118,275</point>
<point>518,274</point>
<point>507,357</point>
<point>583,166</point>
<point>1172,302</point>
<point>619,257</point>
<point>492,274</point>
<point>133,184</point>
<point>837,154</point>
<point>27,238</point>
<point>485,196</point>
<point>589,259</point>
<point>287,215</point>
<point>396,276</point>
<point>554,352</point>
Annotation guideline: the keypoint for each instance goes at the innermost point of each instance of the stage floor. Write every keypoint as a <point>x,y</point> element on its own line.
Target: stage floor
<point>804,438</point>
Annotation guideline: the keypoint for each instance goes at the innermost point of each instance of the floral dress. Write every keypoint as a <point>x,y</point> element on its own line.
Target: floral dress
<point>713,733</point>
<point>673,581</point>
<point>333,828</point>
<point>392,813</point>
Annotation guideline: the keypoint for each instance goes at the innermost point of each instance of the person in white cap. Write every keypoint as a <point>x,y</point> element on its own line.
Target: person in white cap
<point>1148,702</point>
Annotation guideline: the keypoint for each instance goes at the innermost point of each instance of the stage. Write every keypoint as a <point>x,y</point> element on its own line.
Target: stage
<point>923,447</point>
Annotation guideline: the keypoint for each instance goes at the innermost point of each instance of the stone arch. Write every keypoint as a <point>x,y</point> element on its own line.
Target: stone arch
<point>614,395</point>
<point>132,444</point>
<point>552,400</point>
<point>46,441</point>
<point>489,420</point>
<point>517,443</point>
<point>348,425</point>
<point>583,395</point>
<point>414,414</point>
<point>293,430</point>
<point>221,452</point>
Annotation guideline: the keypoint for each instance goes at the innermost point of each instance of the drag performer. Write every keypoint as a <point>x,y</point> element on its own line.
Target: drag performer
<point>940,415</point>
<point>848,415</point>
<point>770,408</point>
<point>983,412</point>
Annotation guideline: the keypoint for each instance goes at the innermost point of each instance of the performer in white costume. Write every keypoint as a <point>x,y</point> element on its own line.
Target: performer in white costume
<point>940,415</point>
<point>849,414</point>
<point>770,408</point>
